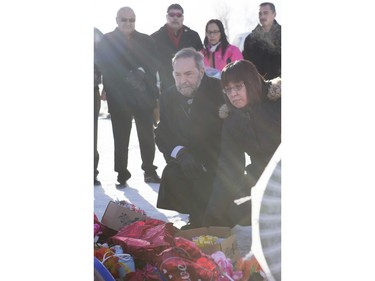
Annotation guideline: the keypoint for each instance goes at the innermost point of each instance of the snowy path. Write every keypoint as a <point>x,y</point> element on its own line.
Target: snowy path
<point>139,193</point>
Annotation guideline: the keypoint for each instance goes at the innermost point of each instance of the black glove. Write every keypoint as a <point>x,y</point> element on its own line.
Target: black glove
<point>247,182</point>
<point>252,175</point>
<point>136,79</point>
<point>189,166</point>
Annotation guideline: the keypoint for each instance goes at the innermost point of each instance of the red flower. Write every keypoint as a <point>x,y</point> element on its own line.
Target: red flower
<point>248,267</point>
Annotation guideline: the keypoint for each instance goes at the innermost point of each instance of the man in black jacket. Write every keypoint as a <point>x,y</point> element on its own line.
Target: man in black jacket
<point>125,58</point>
<point>188,135</point>
<point>169,39</point>
<point>263,45</point>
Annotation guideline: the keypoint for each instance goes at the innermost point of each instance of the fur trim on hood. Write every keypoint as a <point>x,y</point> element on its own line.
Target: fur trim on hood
<point>274,90</point>
<point>223,111</point>
<point>274,93</point>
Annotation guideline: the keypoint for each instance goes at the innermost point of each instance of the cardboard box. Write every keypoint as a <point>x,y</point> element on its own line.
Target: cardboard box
<point>228,246</point>
<point>117,216</point>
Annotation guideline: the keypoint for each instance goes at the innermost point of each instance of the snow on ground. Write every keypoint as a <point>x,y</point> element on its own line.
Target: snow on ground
<point>141,194</point>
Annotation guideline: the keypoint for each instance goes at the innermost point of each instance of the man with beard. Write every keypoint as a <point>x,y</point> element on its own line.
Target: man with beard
<point>188,135</point>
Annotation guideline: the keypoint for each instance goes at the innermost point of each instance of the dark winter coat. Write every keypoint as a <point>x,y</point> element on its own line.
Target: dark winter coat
<point>264,50</point>
<point>117,56</point>
<point>166,51</point>
<point>255,131</point>
<point>198,132</point>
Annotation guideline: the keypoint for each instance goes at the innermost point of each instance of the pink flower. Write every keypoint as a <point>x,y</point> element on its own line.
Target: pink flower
<point>226,267</point>
<point>97,229</point>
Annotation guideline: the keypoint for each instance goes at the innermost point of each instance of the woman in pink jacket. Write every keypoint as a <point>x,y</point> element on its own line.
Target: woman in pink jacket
<point>218,52</point>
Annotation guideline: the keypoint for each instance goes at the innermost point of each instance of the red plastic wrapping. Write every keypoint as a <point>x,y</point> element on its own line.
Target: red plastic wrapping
<point>145,239</point>
<point>175,258</point>
<point>185,261</point>
<point>149,273</point>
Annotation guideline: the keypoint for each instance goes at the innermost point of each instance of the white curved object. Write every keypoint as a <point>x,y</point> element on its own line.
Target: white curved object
<point>266,219</point>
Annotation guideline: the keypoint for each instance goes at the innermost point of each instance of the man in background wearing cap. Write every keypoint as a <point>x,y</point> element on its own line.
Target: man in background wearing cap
<point>169,39</point>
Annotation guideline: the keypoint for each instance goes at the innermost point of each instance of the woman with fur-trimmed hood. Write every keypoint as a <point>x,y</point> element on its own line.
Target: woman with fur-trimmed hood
<point>252,125</point>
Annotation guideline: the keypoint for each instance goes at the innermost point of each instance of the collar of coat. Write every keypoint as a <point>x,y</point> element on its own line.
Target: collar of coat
<point>274,28</point>
<point>184,28</point>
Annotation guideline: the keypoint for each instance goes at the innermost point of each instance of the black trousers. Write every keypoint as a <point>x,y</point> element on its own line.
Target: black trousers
<point>121,128</point>
<point>97,104</point>
<point>184,195</point>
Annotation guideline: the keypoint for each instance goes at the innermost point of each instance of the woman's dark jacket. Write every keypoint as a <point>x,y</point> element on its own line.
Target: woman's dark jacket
<point>255,131</point>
